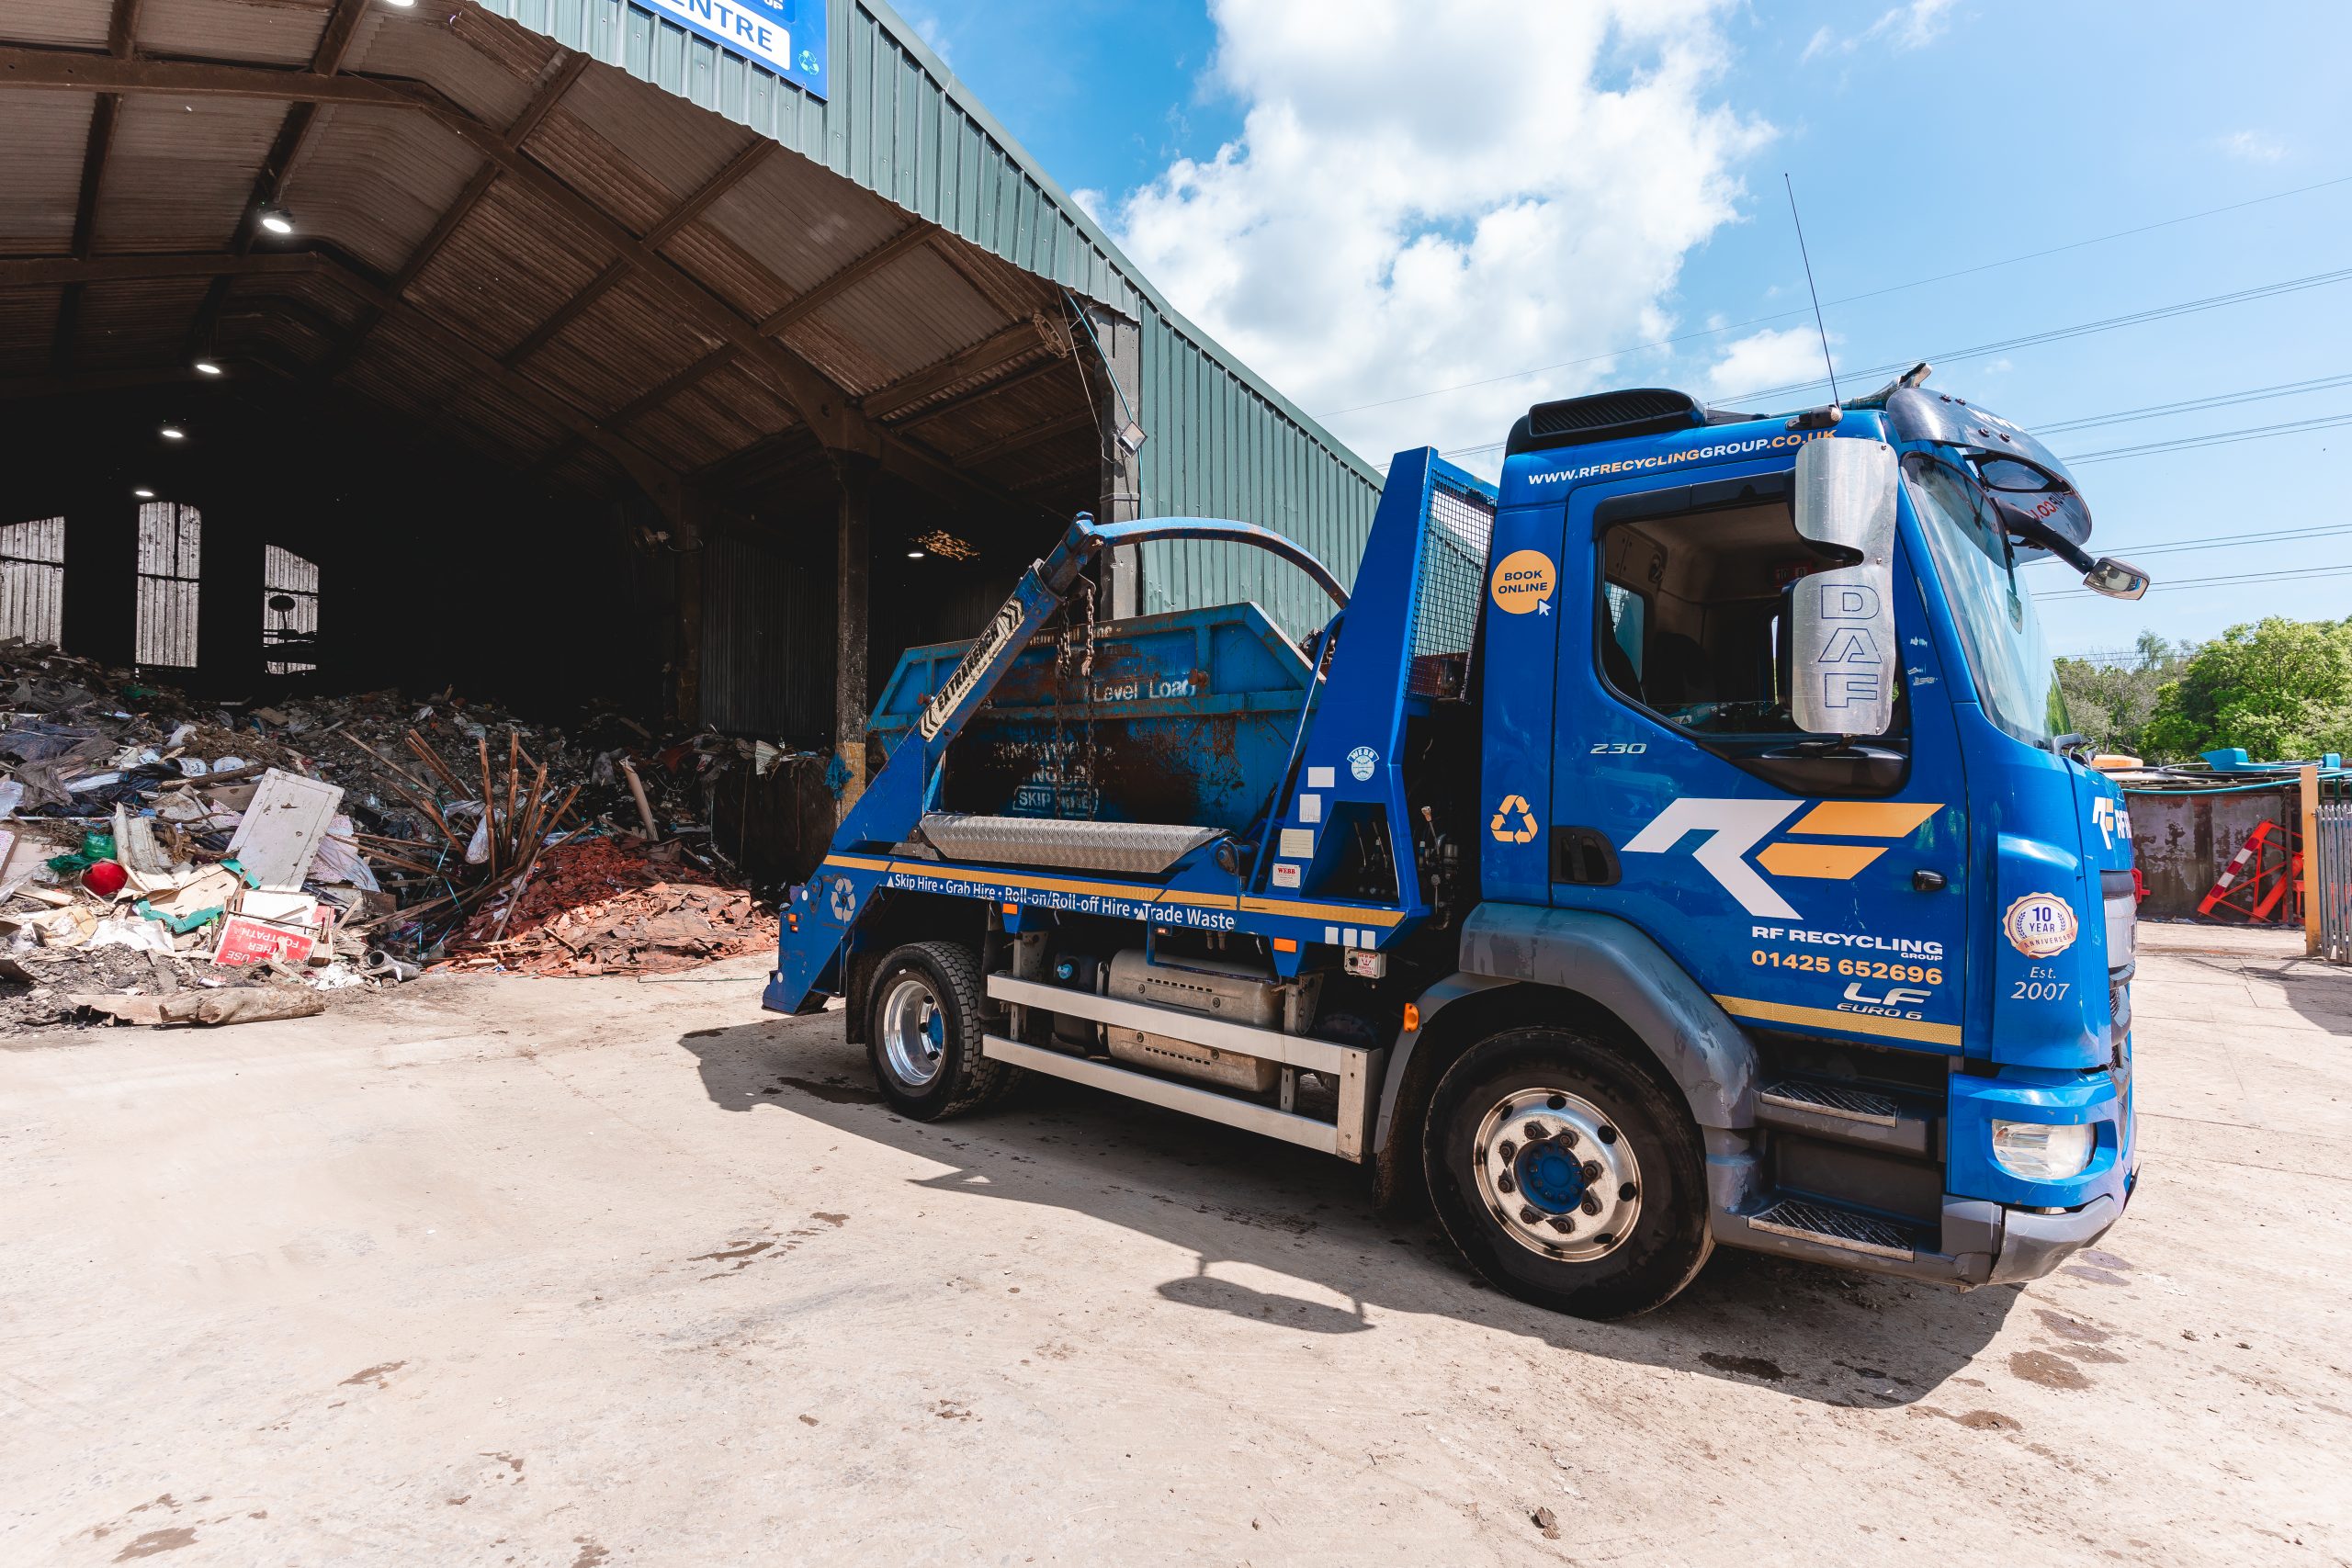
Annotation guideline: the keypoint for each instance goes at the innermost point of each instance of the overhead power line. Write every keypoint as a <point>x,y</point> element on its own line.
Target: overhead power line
<point>2217,438</point>
<point>2060,335</point>
<point>2222,400</point>
<point>2222,541</point>
<point>2196,405</point>
<point>1846,300</point>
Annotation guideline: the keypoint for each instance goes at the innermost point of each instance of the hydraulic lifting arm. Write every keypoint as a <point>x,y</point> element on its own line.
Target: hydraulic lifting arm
<point>893,803</point>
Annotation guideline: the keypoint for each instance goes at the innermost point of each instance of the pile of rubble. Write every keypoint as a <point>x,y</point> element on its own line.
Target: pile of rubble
<point>609,906</point>
<point>157,852</point>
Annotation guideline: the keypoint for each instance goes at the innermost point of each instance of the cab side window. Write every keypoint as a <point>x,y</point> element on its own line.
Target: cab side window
<point>1693,620</point>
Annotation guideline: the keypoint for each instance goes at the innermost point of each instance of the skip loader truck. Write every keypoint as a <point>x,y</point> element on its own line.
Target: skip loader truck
<point>1679,844</point>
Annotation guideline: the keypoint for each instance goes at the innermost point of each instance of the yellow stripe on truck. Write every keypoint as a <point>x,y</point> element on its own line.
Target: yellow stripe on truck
<point>1864,819</point>
<point>1834,863</point>
<point>1853,1022</point>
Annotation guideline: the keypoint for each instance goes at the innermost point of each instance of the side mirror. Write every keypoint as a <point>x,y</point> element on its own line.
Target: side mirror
<point>2116,579</point>
<point>1843,651</point>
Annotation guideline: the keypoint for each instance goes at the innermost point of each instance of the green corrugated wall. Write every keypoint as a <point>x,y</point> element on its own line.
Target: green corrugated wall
<point>1223,443</point>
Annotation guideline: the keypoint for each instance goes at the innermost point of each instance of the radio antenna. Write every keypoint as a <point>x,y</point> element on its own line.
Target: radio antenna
<point>1817,324</point>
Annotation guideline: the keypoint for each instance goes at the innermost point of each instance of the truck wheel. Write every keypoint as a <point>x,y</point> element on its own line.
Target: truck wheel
<point>924,1032</point>
<point>1565,1175</point>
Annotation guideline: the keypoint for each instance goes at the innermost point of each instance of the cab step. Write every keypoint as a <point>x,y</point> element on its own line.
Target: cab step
<point>1830,1224</point>
<point>1848,1113</point>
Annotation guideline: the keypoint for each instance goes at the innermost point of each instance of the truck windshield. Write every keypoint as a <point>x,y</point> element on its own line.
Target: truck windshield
<point>2015,679</point>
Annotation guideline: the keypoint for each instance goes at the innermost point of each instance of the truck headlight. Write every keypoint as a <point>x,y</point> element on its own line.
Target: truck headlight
<point>2043,1151</point>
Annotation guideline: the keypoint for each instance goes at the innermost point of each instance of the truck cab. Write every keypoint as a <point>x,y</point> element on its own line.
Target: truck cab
<point>1831,781</point>
<point>1677,844</point>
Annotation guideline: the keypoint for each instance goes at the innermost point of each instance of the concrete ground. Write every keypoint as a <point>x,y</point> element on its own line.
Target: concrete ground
<point>598,1272</point>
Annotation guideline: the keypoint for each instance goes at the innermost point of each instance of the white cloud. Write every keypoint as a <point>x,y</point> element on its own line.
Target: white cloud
<point>1914,26</point>
<point>1425,195</point>
<point>1773,357</point>
<point>932,31</point>
<point>2254,146</point>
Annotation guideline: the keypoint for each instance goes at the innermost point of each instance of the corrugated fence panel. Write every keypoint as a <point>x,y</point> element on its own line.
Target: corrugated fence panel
<point>767,643</point>
<point>32,580</point>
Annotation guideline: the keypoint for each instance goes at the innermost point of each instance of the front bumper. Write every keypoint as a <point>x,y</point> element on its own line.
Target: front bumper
<point>1978,1242</point>
<point>2033,1245</point>
<point>1988,1244</point>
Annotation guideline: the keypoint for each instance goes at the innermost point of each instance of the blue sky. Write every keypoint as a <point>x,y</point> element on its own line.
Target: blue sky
<point>1925,138</point>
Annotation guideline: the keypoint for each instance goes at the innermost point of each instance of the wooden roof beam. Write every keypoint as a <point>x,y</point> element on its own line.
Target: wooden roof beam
<point>39,271</point>
<point>1061,424</point>
<point>123,29</point>
<point>677,217</point>
<point>983,356</point>
<point>912,237</point>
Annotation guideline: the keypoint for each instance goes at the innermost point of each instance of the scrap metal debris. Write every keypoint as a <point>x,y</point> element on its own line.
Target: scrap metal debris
<point>160,854</point>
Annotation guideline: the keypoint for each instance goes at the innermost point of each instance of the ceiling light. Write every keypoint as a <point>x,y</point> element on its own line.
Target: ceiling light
<point>277,219</point>
<point>174,432</point>
<point>206,367</point>
<point>403,4</point>
<point>145,495</point>
<point>914,555</point>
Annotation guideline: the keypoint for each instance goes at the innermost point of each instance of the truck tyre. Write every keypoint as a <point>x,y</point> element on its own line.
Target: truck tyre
<point>924,1032</point>
<point>1565,1175</point>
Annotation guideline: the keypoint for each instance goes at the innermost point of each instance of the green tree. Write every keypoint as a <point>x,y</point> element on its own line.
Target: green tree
<point>2111,700</point>
<point>2280,688</point>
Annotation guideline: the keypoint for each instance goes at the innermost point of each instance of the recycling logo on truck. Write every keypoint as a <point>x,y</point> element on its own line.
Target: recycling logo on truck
<point>1514,821</point>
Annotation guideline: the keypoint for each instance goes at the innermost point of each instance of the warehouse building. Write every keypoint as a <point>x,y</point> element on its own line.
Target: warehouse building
<point>555,349</point>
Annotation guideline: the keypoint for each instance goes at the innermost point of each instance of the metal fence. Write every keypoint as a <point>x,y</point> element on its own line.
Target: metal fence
<point>2327,868</point>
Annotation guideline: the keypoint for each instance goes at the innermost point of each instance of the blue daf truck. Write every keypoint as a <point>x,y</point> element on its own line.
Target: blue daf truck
<point>1679,844</point>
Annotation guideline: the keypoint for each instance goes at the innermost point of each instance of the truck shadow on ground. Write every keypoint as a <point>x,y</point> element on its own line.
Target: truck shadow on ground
<point>1247,1205</point>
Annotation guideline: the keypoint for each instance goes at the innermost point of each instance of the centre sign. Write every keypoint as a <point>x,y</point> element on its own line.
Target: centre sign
<point>785,36</point>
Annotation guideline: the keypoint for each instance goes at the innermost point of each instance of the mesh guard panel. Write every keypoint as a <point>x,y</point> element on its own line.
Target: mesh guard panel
<point>1459,530</point>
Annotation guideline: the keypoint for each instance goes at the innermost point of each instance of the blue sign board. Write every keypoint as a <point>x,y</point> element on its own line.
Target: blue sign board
<point>785,36</point>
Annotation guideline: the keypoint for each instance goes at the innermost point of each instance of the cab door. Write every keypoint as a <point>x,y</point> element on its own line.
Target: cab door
<point>1807,882</point>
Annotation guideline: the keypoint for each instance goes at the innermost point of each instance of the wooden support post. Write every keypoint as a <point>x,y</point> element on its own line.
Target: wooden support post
<point>852,547</point>
<point>690,556</point>
<point>2309,840</point>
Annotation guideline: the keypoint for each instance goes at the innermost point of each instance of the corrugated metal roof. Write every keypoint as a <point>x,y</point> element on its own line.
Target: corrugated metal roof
<point>43,135</point>
<point>185,167</point>
<point>119,321</point>
<point>376,179</point>
<point>27,324</point>
<point>509,266</point>
<point>613,349</point>
<point>899,124</point>
<point>937,323</point>
<point>79,23</point>
<point>274,32</point>
<point>796,221</point>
